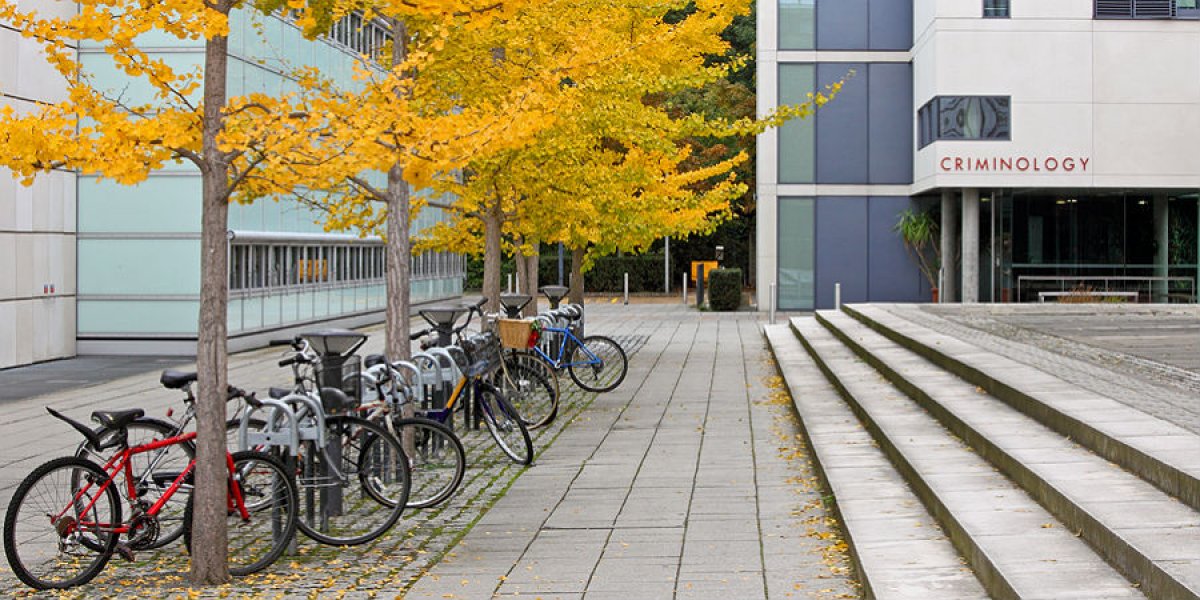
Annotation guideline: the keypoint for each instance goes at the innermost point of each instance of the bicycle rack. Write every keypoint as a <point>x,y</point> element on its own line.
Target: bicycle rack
<point>414,386</point>
<point>277,433</point>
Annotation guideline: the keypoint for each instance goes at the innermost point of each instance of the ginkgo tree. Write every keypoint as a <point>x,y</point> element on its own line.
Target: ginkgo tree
<point>185,115</point>
<point>611,173</point>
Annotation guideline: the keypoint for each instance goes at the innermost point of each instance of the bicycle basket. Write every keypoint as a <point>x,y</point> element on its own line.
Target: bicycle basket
<point>343,373</point>
<point>483,354</point>
<point>516,333</point>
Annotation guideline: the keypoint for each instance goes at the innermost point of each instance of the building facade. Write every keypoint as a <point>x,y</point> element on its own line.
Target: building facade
<point>1055,142</point>
<point>89,266</point>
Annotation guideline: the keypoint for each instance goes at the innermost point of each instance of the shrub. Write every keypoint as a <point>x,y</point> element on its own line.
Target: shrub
<point>725,289</point>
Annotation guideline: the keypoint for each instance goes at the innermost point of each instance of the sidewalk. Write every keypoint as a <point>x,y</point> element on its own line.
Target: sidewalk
<point>687,481</point>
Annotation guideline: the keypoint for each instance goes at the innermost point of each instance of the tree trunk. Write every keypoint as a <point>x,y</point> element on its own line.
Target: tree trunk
<point>399,244</point>
<point>492,257</point>
<point>522,267</point>
<point>210,544</point>
<point>576,293</point>
<point>533,263</point>
<point>399,266</point>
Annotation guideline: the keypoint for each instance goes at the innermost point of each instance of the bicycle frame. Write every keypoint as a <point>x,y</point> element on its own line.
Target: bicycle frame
<point>567,337</point>
<point>120,464</point>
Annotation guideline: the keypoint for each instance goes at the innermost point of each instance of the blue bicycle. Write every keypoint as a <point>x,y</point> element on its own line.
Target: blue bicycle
<point>595,363</point>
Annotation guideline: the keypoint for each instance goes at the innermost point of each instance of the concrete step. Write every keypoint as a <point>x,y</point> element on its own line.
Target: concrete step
<point>898,550</point>
<point>1149,536</point>
<point>1016,547</point>
<point>1160,452</point>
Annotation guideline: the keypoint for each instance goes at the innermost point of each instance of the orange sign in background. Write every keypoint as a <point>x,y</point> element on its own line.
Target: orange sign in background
<point>709,266</point>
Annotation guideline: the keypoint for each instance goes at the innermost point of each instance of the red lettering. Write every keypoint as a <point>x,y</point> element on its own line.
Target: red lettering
<point>1068,164</point>
<point>1052,164</point>
<point>1006,164</point>
<point>1022,164</point>
<point>1084,162</point>
<point>958,164</point>
<point>981,164</point>
<point>946,163</point>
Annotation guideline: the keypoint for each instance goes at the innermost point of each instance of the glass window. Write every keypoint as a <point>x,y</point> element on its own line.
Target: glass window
<point>797,253</point>
<point>965,118</point>
<point>797,24</point>
<point>995,8</point>
<point>797,138</point>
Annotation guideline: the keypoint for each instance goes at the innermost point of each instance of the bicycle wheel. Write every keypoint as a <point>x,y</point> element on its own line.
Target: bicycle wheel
<point>598,364</point>
<point>153,473</point>
<point>505,425</point>
<point>58,528</point>
<point>354,489</point>
<point>531,386</point>
<point>269,495</point>
<point>437,459</point>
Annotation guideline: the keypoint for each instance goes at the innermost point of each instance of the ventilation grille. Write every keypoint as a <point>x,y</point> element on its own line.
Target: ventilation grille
<point>1135,9</point>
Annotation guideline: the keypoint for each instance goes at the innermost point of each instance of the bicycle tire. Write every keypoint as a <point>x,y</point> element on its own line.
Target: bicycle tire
<point>530,384</point>
<point>604,377</point>
<point>369,500</point>
<point>437,460</point>
<point>175,459</point>
<point>258,475</point>
<point>21,550</point>
<point>505,425</point>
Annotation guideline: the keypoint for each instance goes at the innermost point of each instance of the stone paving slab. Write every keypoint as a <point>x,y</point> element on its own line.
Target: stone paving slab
<point>696,487</point>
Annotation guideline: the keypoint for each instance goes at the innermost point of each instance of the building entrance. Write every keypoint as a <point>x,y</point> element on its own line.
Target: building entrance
<point>1037,244</point>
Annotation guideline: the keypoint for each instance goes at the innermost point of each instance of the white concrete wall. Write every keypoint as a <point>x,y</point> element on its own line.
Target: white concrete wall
<point>37,223</point>
<point>1123,94</point>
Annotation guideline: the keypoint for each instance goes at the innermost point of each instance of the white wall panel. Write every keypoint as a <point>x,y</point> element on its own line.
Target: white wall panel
<point>8,334</point>
<point>1148,67</point>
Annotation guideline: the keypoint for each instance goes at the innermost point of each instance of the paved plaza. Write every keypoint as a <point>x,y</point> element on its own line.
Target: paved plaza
<point>688,481</point>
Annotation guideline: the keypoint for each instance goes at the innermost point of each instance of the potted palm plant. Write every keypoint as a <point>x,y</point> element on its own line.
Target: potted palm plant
<point>922,239</point>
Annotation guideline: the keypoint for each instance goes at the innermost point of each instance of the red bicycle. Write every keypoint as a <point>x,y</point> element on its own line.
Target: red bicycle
<point>65,520</point>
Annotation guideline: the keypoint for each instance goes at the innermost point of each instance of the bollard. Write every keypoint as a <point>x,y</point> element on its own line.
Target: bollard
<point>771,303</point>
<point>684,287</point>
<point>700,286</point>
<point>510,290</point>
<point>837,296</point>
<point>627,289</point>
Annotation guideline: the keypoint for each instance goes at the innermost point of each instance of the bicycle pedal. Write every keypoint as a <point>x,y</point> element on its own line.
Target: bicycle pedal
<point>125,551</point>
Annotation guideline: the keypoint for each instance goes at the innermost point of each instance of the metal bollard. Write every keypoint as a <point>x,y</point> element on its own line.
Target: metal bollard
<point>837,296</point>
<point>771,302</point>
<point>684,287</point>
<point>700,286</point>
<point>627,289</point>
<point>510,289</point>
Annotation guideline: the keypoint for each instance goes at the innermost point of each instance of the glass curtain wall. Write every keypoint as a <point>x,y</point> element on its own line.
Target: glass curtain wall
<point>1044,242</point>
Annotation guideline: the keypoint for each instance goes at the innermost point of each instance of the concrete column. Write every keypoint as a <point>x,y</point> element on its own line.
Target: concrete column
<point>970,245</point>
<point>948,291</point>
<point>1162,235</point>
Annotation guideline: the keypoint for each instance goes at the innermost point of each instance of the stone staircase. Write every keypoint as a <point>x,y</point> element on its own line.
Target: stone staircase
<point>961,474</point>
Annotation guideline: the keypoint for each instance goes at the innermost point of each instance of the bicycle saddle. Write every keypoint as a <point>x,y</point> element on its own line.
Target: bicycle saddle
<point>117,419</point>
<point>279,393</point>
<point>372,360</point>
<point>334,400</point>
<point>174,380</point>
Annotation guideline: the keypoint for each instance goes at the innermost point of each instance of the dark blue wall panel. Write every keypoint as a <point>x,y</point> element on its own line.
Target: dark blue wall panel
<point>842,126</point>
<point>890,107</point>
<point>842,247</point>
<point>893,276</point>
<point>843,24</point>
<point>891,23</point>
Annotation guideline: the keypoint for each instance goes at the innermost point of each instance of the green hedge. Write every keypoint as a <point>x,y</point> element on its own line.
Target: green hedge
<point>725,289</point>
<point>607,275</point>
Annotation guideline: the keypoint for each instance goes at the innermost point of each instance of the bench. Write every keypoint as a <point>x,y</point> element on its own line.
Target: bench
<point>1092,294</point>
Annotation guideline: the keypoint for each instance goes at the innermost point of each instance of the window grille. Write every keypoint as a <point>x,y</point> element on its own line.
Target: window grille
<point>1141,9</point>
